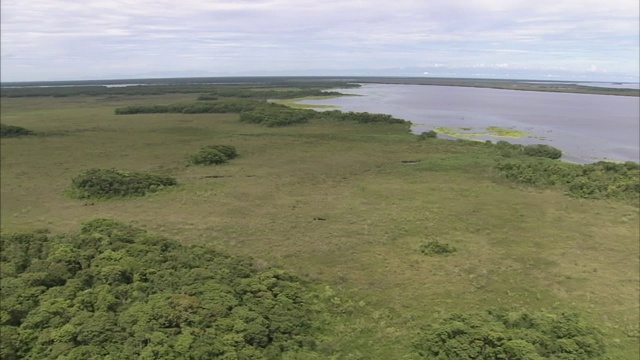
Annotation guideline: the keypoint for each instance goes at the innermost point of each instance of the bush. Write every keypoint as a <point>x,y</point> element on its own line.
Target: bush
<point>363,117</point>
<point>13,131</point>
<point>541,150</point>
<point>514,335</point>
<point>274,115</point>
<point>434,247</point>
<point>109,183</point>
<point>428,135</point>
<point>213,155</point>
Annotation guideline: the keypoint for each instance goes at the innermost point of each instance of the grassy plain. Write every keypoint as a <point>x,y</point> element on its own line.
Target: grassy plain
<point>334,202</point>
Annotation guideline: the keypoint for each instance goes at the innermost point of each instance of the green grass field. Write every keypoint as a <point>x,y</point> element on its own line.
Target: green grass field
<point>334,203</point>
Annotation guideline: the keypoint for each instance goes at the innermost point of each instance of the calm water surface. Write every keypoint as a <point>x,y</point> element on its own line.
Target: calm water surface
<point>586,127</point>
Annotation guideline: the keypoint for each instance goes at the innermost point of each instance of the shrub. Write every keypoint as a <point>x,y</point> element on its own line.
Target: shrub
<point>108,183</point>
<point>13,131</point>
<point>515,335</point>
<point>363,117</point>
<point>434,247</point>
<point>277,115</point>
<point>213,155</point>
<point>541,150</point>
<point>428,135</point>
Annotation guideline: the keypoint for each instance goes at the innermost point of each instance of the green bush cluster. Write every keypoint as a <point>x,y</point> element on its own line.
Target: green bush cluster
<point>513,335</point>
<point>428,135</point>
<point>536,150</point>
<point>116,292</point>
<point>109,183</point>
<point>7,131</point>
<point>542,150</point>
<point>213,155</point>
<point>221,106</point>
<point>362,117</point>
<point>435,247</point>
<point>277,115</point>
<point>599,180</point>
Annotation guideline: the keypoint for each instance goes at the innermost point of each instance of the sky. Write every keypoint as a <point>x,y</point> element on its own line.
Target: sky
<point>587,40</point>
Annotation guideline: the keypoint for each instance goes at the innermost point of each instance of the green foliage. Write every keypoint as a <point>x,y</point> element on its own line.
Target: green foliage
<point>277,115</point>
<point>116,291</point>
<point>513,335</point>
<point>535,150</point>
<point>221,106</point>
<point>109,183</point>
<point>435,247</point>
<point>363,117</point>
<point>600,180</point>
<point>213,155</point>
<point>13,131</point>
<point>541,150</point>
<point>428,135</point>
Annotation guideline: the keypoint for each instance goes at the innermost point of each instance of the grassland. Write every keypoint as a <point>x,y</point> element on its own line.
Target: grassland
<point>335,203</point>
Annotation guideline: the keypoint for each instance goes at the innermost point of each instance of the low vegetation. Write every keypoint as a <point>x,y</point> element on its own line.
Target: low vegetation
<point>431,134</point>
<point>513,335</point>
<point>7,131</point>
<point>112,183</point>
<point>435,247</point>
<point>213,155</point>
<point>535,150</point>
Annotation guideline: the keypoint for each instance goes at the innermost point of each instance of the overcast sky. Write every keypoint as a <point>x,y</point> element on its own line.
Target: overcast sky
<point>535,39</point>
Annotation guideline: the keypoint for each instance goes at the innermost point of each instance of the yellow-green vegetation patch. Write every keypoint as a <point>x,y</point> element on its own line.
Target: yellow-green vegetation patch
<point>506,132</point>
<point>295,102</point>
<point>470,133</point>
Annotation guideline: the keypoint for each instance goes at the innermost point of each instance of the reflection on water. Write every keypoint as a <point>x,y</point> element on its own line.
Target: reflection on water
<point>586,127</point>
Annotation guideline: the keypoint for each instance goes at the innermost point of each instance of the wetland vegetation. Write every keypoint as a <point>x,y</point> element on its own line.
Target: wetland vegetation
<point>309,245</point>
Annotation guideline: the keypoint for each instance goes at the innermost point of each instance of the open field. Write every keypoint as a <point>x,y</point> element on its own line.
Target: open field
<point>335,203</point>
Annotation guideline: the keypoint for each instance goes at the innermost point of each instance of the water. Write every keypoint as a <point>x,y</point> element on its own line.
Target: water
<point>586,127</point>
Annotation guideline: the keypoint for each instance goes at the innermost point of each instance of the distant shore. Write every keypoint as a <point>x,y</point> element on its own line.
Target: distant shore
<point>577,87</point>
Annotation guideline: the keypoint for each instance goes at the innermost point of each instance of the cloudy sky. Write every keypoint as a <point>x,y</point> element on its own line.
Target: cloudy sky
<point>535,39</point>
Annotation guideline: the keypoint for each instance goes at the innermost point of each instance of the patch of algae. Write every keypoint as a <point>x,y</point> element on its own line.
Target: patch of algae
<point>468,133</point>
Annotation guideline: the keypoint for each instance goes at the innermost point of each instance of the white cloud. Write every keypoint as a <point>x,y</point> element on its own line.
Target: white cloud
<point>133,37</point>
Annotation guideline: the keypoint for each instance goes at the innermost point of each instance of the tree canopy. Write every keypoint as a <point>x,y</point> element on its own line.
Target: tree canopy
<point>114,291</point>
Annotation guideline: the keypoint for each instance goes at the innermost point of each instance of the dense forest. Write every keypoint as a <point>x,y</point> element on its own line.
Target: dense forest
<point>116,290</point>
